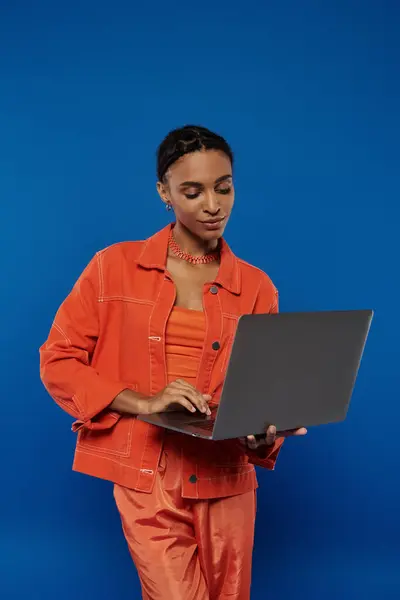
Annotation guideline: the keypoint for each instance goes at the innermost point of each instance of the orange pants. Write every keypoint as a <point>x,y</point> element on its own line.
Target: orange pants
<point>188,549</point>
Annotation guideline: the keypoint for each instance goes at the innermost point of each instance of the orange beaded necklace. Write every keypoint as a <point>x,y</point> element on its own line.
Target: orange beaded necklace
<point>194,260</point>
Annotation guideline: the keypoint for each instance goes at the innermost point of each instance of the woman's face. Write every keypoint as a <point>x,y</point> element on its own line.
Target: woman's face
<point>199,187</point>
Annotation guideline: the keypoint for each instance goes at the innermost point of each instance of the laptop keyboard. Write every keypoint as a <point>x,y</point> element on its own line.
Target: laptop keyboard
<point>207,425</point>
<point>203,422</point>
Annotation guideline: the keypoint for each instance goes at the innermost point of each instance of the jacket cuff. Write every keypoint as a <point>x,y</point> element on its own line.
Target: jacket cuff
<point>102,417</point>
<point>106,420</point>
<point>265,456</point>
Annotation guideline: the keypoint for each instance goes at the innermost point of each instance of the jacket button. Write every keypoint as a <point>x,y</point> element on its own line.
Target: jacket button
<point>214,289</point>
<point>216,345</point>
<point>193,479</point>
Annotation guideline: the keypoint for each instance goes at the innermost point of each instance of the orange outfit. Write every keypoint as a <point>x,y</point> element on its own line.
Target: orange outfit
<point>109,335</point>
<point>184,342</point>
<point>187,549</point>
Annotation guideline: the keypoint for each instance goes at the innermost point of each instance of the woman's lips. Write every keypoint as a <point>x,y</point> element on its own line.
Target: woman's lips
<point>213,224</point>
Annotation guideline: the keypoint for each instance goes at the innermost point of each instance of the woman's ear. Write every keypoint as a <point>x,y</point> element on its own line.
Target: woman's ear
<point>163,191</point>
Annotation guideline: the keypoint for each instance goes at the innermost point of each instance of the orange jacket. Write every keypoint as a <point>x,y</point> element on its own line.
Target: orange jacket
<point>108,335</point>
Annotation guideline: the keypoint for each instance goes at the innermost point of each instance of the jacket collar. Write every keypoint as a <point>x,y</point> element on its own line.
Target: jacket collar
<point>154,256</point>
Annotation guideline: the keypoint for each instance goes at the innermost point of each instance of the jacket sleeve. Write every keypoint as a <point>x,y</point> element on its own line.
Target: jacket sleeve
<point>267,301</point>
<point>65,358</point>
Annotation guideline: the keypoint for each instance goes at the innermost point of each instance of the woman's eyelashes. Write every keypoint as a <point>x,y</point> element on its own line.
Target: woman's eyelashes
<point>222,190</point>
<point>192,196</point>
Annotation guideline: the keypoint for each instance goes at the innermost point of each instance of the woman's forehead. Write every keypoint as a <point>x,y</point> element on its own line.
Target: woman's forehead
<point>204,166</point>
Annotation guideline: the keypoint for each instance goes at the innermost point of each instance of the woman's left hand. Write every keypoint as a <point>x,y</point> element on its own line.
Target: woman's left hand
<point>268,439</point>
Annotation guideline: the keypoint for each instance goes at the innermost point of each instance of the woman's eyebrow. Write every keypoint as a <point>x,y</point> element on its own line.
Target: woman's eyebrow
<point>198,184</point>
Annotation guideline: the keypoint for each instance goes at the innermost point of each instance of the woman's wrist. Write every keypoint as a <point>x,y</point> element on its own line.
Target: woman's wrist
<point>129,402</point>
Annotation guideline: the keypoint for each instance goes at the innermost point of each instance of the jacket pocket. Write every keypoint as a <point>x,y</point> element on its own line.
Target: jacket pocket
<point>225,454</point>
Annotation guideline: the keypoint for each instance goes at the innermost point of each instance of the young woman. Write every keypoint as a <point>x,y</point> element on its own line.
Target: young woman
<point>149,327</point>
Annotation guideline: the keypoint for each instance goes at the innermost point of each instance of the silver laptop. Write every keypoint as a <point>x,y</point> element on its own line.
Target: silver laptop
<point>289,370</point>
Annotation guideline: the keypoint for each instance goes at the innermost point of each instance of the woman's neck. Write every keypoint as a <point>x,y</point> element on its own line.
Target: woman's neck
<point>192,244</point>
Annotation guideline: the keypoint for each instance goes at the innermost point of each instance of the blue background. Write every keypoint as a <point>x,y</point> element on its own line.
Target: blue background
<point>308,95</point>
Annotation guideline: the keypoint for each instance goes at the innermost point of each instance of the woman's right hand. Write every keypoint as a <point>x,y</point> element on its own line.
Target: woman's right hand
<point>176,395</point>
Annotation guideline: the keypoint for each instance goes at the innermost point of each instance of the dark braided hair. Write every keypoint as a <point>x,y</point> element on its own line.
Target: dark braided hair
<point>185,140</point>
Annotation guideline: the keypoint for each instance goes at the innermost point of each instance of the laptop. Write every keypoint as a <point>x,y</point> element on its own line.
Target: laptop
<point>289,370</point>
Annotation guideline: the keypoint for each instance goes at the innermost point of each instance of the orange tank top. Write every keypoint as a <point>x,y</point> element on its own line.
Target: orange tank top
<point>184,340</point>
